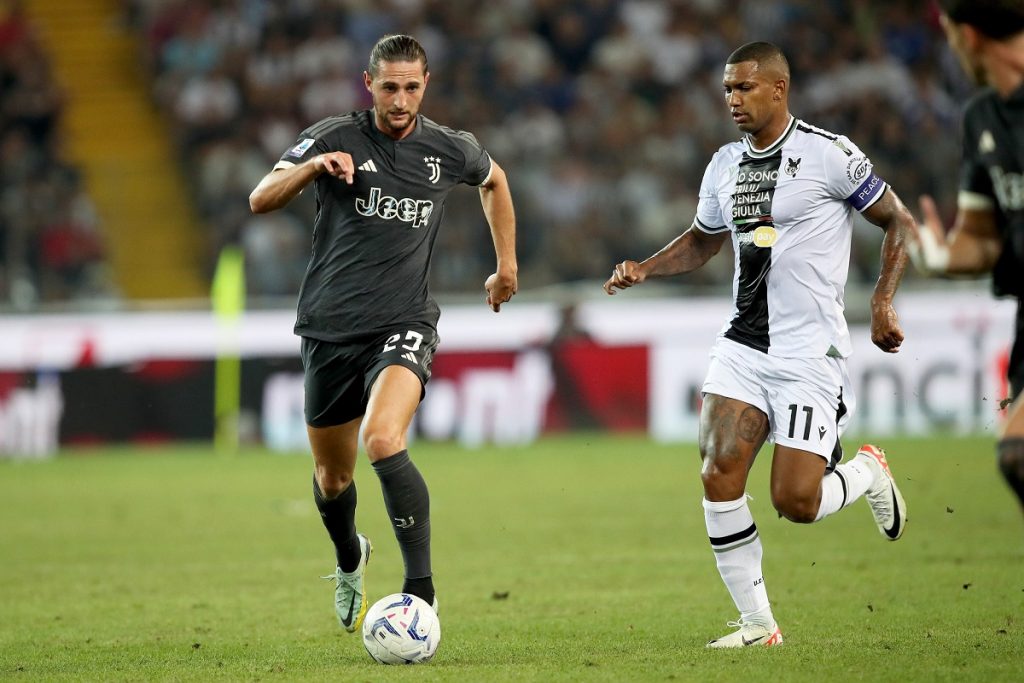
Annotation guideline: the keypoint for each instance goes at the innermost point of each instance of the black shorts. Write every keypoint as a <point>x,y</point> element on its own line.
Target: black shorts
<point>339,375</point>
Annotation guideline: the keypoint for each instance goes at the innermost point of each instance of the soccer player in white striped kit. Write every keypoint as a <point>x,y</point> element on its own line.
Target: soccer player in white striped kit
<point>785,193</point>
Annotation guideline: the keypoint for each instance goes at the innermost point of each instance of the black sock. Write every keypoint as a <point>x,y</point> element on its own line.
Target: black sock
<point>421,588</point>
<point>408,503</point>
<point>339,518</point>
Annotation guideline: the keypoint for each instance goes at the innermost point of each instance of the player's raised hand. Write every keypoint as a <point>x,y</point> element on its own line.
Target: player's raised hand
<point>500,288</point>
<point>338,164</point>
<point>928,250</point>
<point>886,332</point>
<point>626,274</point>
<point>932,220</point>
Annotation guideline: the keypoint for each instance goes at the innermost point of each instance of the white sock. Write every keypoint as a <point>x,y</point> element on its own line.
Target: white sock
<point>845,484</point>
<point>737,547</point>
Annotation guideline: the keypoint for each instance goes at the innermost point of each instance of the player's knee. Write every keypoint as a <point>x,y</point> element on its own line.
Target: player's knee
<point>802,509</point>
<point>333,483</point>
<point>721,482</point>
<point>382,441</point>
<point>1011,462</point>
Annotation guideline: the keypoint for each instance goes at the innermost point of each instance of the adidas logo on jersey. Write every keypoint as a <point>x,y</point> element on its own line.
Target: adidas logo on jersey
<point>368,166</point>
<point>409,356</point>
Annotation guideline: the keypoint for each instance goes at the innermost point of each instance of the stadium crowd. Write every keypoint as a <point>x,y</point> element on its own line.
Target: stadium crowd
<point>603,112</point>
<point>51,244</point>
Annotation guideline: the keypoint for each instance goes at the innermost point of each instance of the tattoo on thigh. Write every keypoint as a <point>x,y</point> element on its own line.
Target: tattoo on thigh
<point>723,419</point>
<point>753,426</point>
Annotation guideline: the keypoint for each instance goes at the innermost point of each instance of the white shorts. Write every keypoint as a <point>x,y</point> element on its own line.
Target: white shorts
<point>808,401</point>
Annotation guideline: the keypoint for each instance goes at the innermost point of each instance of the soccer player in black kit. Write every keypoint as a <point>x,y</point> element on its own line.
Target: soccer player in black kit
<point>366,318</point>
<point>988,231</point>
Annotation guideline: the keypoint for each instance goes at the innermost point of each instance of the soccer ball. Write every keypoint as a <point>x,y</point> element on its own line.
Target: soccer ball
<point>401,629</point>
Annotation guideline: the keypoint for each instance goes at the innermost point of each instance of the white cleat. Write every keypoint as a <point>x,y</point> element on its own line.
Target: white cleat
<point>748,635</point>
<point>350,593</point>
<point>887,504</point>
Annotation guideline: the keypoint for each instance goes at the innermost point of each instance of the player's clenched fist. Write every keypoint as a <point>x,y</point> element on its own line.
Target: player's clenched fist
<point>500,288</point>
<point>886,332</point>
<point>338,164</point>
<point>627,274</point>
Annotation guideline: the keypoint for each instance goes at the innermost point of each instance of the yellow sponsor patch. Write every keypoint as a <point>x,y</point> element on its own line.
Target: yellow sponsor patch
<point>765,236</point>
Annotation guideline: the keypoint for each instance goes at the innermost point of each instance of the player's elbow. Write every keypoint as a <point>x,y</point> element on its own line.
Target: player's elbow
<point>258,202</point>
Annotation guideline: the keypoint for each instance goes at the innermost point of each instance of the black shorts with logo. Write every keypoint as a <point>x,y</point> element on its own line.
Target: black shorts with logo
<point>339,375</point>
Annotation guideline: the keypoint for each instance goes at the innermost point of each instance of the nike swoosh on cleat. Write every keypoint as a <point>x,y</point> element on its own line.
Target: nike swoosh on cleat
<point>894,531</point>
<point>752,641</point>
<point>351,604</point>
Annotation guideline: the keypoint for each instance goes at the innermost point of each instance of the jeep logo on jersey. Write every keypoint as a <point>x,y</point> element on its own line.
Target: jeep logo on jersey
<point>415,211</point>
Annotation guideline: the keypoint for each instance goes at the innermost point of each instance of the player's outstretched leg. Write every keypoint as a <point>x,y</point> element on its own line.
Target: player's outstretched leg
<point>883,496</point>
<point>408,504</point>
<point>350,592</point>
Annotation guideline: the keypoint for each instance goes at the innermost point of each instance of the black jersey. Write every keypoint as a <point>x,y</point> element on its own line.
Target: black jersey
<point>992,177</point>
<point>373,239</point>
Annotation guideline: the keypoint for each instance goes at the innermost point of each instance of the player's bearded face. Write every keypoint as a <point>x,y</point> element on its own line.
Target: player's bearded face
<point>397,90</point>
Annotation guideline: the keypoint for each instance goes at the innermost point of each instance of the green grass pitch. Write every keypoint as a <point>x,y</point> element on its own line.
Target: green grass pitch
<point>579,558</point>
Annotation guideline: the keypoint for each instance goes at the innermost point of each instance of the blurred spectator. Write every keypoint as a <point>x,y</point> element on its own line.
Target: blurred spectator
<point>70,247</point>
<point>207,106</point>
<point>276,251</point>
<point>51,246</point>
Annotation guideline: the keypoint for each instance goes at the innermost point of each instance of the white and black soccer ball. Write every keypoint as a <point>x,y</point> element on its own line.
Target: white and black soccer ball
<point>401,629</point>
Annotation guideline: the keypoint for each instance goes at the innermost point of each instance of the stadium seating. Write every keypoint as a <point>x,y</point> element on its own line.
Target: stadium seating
<point>603,113</point>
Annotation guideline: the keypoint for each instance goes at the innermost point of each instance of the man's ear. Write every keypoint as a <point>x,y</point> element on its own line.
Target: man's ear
<point>972,38</point>
<point>368,81</point>
<point>780,89</point>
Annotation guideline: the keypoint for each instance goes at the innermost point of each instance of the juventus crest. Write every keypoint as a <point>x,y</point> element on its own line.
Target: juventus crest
<point>434,164</point>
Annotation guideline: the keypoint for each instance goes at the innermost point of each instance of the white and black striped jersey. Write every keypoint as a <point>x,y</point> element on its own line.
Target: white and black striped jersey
<point>992,177</point>
<point>789,209</point>
<point>373,240</point>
